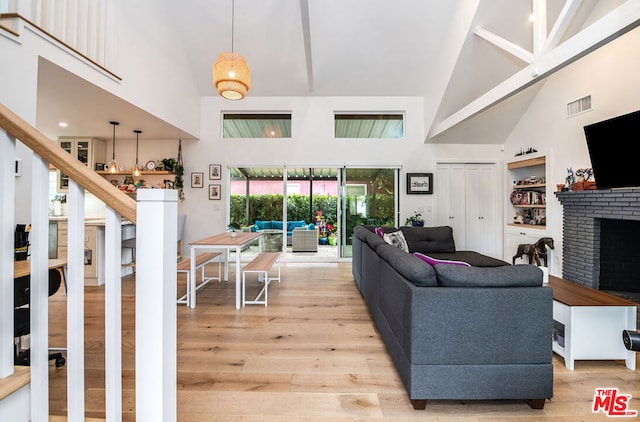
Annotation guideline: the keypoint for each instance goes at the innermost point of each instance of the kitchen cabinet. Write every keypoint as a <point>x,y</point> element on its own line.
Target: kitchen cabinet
<point>88,151</point>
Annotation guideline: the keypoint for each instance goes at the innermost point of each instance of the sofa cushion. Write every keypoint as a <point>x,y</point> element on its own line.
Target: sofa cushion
<point>294,224</point>
<point>277,225</point>
<point>396,239</point>
<point>263,225</point>
<point>410,267</point>
<point>433,261</point>
<point>506,276</point>
<point>429,239</point>
<point>472,258</point>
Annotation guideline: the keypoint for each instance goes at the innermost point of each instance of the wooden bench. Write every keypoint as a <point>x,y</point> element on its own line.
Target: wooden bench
<point>184,266</point>
<point>261,266</point>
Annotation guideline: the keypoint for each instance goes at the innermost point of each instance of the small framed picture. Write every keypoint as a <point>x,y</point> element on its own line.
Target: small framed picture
<point>419,183</point>
<point>169,184</point>
<point>214,191</point>
<point>197,180</point>
<point>214,171</point>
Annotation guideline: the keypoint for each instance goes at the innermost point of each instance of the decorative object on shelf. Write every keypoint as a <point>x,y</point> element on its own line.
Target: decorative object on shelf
<point>197,180</point>
<point>583,181</point>
<point>151,165</point>
<point>113,166</point>
<point>530,150</point>
<point>231,75</point>
<point>214,192</point>
<point>215,171</point>
<point>415,220</point>
<point>419,183</point>
<point>535,251</point>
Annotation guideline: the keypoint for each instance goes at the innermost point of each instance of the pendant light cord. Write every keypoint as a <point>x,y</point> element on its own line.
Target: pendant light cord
<point>233,18</point>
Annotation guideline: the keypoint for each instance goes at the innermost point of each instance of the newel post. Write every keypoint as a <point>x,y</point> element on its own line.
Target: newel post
<point>156,312</point>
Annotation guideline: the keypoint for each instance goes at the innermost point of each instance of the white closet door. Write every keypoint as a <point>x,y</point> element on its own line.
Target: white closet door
<point>481,208</point>
<point>450,191</point>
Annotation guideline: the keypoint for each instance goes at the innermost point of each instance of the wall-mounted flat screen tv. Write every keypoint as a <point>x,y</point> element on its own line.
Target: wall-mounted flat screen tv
<point>612,146</point>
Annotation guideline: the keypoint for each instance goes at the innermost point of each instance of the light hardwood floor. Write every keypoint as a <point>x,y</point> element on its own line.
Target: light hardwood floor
<point>312,354</point>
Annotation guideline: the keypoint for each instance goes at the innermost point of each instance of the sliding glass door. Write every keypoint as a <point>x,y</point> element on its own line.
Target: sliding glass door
<point>369,197</point>
<point>326,203</point>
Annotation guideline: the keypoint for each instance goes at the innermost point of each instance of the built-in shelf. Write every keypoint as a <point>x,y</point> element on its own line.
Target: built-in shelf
<point>530,185</point>
<point>528,226</point>
<point>129,172</point>
<point>526,163</point>
<point>530,206</point>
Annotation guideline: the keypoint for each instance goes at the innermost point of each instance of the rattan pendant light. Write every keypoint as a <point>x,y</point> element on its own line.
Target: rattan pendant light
<point>231,75</point>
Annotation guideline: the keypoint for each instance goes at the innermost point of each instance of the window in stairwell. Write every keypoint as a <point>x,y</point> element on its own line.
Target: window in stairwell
<point>369,125</point>
<point>256,125</point>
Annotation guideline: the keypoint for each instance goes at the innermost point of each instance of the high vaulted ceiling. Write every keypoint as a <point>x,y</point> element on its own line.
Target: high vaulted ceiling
<point>452,53</point>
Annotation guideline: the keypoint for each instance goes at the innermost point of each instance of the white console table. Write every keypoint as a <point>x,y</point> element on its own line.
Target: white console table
<point>593,323</point>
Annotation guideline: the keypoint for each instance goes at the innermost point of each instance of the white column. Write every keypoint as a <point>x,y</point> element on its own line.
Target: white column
<point>156,337</point>
<point>7,228</point>
<point>113,316</point>
<point>39,290</point>
<point>75,303</point>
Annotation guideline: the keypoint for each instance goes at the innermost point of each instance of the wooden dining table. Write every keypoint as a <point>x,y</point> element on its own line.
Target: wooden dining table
<point>227,242</point>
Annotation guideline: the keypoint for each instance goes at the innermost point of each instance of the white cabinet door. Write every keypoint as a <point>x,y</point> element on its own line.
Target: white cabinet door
<point>515,237</point>
<point>451,191</point>
<point>481,208</point>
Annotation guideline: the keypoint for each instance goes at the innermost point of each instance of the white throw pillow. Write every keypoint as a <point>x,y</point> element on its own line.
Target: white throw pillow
<point>396,239</point>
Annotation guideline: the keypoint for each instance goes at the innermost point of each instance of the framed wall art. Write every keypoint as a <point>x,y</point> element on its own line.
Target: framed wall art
<point>419,183</point>
<point>197,180</point>
<point>214,192</point>
<point>215,171</point>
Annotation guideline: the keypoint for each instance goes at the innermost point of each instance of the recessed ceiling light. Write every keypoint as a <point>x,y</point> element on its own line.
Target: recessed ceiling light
<point>63,124</point>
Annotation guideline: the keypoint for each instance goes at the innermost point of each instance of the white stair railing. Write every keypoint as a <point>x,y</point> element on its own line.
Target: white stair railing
<point>156,313</point>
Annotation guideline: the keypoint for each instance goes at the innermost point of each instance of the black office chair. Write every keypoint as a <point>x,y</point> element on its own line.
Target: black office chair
<point>22,316</point>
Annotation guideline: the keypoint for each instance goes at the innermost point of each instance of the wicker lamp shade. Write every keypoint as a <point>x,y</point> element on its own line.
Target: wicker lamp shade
<point>231,76</point>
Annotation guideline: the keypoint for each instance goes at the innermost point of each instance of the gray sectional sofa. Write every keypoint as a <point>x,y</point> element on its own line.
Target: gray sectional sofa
<point>455,332</point>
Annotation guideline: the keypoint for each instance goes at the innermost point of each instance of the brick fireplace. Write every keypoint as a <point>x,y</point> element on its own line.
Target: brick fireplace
<point>602,218</point>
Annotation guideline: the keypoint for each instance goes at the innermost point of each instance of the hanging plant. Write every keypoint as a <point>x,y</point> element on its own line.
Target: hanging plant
<point>174,166</point>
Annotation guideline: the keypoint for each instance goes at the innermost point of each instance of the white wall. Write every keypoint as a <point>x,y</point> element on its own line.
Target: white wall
<point>611,75</point>
<point>312,144</point>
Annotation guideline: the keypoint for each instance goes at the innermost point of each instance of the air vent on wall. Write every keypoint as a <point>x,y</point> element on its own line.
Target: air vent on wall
<point>579,106</point>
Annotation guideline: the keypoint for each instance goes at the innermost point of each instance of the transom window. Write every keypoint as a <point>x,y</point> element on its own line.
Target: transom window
<point>369,126</point>
<point>256,125</point>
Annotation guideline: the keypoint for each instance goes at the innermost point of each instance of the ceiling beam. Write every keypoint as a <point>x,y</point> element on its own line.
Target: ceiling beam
<point>616,23</point>
<point>306,34</point>
<point>505,45</point>
<point>539,8</point>
<point>562,23</point>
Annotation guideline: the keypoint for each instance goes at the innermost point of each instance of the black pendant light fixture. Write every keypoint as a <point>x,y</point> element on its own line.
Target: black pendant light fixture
<point>113,166</point>
<point>136,168</point>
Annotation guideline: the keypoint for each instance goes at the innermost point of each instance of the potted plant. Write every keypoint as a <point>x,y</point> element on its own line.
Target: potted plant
<point>415,220</point>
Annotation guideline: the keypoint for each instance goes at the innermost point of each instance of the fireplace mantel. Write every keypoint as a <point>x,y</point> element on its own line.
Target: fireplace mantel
<point>582,213</point>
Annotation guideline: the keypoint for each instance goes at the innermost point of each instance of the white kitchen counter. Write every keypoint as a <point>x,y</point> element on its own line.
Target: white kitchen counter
<point>94,246</point>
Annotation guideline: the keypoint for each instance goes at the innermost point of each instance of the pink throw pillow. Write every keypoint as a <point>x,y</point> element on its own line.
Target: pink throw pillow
<point>379,231</point>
